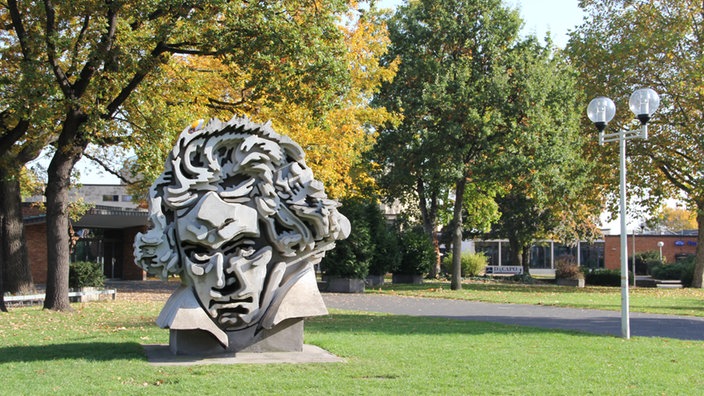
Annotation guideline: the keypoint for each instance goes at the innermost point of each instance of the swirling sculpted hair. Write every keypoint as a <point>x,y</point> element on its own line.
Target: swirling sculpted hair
<point>247,163</point>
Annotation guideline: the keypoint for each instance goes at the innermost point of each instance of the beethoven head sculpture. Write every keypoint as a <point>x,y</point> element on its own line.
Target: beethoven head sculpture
<point>240,218</point>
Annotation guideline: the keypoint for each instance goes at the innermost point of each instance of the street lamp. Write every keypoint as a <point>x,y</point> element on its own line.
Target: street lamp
<point>601,110</point>
<point>660,245</point>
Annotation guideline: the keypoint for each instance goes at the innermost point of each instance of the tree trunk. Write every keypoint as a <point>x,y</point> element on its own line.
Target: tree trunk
<point>17,275</point>
<point>429,218</point>
<point>525,259</point>
<point>3,308</point>
<point>57,200</point>
<point>699,267</point>
<point>514,254</point>
<point>456,283</point>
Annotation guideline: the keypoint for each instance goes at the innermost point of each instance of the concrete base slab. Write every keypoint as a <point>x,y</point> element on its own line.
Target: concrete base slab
<point>160,355</point>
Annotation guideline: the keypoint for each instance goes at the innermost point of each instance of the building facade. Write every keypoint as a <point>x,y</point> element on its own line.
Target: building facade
<point>603,253</point>
<point>105,234</point>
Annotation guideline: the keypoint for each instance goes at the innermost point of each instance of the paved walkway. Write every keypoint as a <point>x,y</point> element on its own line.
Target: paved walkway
<point>586,320</point>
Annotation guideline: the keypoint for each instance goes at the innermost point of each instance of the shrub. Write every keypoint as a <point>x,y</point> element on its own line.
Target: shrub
<point>566,267</point>
<point>667,272</point>
<point>603,277</point>
<point>688,271</point>
<point>681,270</point>
<point>645,261</point>
<point>417,253</point>
<point>351,257</point>
<point>85,274</point>
<point>473,264</point>
<point>387,252</point>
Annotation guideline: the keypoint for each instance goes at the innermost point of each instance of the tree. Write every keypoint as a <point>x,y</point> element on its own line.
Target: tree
<point>545,175</point>
<point>336,138</point>
<point>3,308</point>
<point>452,85</point>
<point>624,45</point>
<point>81,70</point>
<point>333,131</point>
<point>673,219</point>
<point>352,256</point>
<point>16,276</point>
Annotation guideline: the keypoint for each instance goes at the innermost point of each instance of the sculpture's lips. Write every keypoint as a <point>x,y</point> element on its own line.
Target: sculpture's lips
<point>232,303</point>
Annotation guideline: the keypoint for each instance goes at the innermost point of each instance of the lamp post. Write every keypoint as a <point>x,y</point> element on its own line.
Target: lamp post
<point>660,245</point>
<point>601,110</point>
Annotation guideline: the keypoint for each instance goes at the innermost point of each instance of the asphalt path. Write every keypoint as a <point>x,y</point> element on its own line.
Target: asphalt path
<point>584,320</point>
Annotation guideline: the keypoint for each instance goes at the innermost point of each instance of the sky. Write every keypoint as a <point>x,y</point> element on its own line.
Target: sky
<point>539,16</point>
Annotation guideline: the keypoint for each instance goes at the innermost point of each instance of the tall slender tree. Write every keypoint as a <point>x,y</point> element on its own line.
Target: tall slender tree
<point>450,88</point>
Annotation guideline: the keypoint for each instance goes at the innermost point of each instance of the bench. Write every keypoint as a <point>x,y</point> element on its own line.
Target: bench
<point>87,294</point>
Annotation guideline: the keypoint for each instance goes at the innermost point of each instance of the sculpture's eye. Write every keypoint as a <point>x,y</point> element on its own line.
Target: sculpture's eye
<point>198,254</point>
<point>199,259</point>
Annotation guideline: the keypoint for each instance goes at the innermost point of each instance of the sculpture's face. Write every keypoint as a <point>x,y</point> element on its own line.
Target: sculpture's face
<point>217,241</point>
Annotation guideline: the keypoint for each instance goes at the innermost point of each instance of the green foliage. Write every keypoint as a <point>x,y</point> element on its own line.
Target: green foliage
<point>372,247</point>
<point>417,253</point>
<point>387,249</point>
<point>645,261</point>
<point>450,56</point>
<point>31,182</point>
<point>473,264</point>
<point>682,270</point>
<point>566,267</point>
<point>603,277</point>
<point>85,274</point>
<point>352,256</point>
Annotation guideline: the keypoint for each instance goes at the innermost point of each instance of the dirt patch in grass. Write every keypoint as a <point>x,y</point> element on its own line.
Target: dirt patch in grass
<point>148,290</point>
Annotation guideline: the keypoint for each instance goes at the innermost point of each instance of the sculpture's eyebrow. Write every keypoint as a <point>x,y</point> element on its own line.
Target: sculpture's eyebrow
<point>241,189</point>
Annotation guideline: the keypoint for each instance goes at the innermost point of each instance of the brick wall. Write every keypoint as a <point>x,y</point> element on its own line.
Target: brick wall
<point>35,235</point>
<point>673,245</point>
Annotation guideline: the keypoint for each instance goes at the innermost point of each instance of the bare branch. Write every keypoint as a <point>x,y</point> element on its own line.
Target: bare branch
<point>147,65</point>
<point>19,28</point>
<point>106,167</point>
<point>177,49</point>
<point>106,45</point>
<point>11,135</point>
<point>674,179</point>
<point>79,43</point>
<point>50,32</point>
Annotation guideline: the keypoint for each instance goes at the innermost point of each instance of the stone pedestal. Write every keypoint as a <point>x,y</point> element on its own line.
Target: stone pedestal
<point>345,285</point>
<point>285,337</point>
<point>407,279</point>
<point>375,280</point>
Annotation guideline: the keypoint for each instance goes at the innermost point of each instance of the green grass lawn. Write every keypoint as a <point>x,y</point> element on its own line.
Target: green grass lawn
<point>97,350</point>
<point>650,300</point>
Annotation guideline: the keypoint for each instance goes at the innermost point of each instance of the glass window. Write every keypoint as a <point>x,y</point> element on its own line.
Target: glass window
<point>490,250</point>
<point>592,254</point>
<point>564,250</point>
<point>540,256</point>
